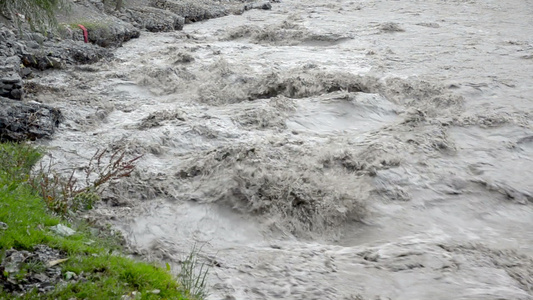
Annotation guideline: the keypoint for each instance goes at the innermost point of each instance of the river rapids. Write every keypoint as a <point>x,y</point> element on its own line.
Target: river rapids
<point>372,149</point>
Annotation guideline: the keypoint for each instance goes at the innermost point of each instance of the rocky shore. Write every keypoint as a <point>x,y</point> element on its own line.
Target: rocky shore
<point>23,53</point>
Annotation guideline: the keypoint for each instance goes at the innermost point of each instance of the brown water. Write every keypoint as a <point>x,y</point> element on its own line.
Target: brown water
<point>323,150</point>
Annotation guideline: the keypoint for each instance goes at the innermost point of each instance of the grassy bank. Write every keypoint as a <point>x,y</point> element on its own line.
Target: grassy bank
<point>27,223</point>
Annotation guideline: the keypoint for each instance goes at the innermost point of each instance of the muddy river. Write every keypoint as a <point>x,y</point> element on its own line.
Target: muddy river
<point>371,149</point>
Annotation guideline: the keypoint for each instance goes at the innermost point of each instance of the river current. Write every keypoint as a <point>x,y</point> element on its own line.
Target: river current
<point>322,149</point>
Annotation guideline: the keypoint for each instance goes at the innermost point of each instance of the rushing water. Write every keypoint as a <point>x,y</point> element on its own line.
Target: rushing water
<point>323,149</point>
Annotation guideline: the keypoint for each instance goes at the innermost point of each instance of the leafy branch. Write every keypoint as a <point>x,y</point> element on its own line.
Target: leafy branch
<point>65,194</point>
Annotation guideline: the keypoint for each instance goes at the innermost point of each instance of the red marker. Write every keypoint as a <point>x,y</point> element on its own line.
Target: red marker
<point>85,34</point>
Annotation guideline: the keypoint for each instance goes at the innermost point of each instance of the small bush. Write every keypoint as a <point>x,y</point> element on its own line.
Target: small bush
<point>66,195</point>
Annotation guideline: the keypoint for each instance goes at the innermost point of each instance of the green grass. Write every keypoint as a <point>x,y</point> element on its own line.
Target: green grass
<point>110,275</point>
<point>90,25</point>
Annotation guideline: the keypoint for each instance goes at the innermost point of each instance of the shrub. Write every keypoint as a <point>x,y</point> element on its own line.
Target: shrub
<point>65,195</point>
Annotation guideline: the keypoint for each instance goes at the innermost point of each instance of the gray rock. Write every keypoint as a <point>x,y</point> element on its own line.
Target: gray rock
<point>62,230</point>
<point>16,94</point>
<point>41,277</point>
<point>262,5</point>
<point>13,262</point>
<point>32,45</point>
<point>13,78</point>
<point>25,72</point>
<point>20,47</point>
<point>11,83</point>
<point>192,11</point>
<point>34,37</point>
<point>56,55</point>
<point>12,60</point>
<point>11,280</point>
<point>21,121</point>
<point>155,19</point>
<point>112,35</point>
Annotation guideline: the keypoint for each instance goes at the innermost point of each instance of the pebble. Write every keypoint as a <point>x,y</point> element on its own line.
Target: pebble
<point>70,275</point>
<point>62,230</point>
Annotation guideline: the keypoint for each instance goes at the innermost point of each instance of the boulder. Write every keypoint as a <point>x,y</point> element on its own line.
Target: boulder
<point>112,35</point>
<point>56,55</point>
<point>260,5</point>
<point>10,79</point>
<point>155,19</point>
<point>20,121</point>
<point>192,10</point>
<point>106,33</point>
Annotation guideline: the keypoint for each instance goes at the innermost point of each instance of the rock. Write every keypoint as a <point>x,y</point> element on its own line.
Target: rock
<point>14,78</point>
<point>14,260</point>
<point>25,72</point>
<point>3,226</point>
<point>131,296</point>
<point>155,19</point>
<point>16,94</point>
<point>21,121</point>
<point>70,275</point>
<point>16,282</point>
<point>56,55</point>
<point>192,10</point>
<point>11,83</point>
<point>34,37</point>
<point>41,277</point>
<point>32,45</point>
<point>62,230</point>
<point>263,6</point>
<point>20,47</point>
<point>14,61</point>
<point>113,34</point>
<point>391,27</point>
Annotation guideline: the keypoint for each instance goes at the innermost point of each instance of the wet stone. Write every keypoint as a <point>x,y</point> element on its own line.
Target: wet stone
<point>154,19</point>
<point>263,6</point>
<point>16,94</point>
<point>14,78</point>
<point>21,121</point>
<point>26,72</point>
